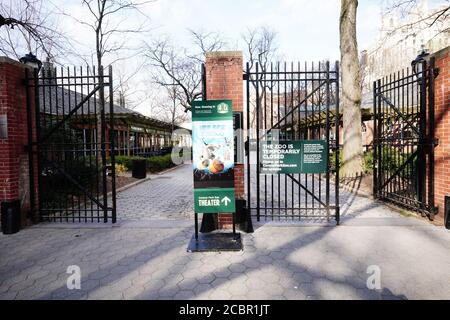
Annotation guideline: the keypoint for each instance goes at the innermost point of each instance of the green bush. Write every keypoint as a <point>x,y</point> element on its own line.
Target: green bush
<point>368,161</point>
<point>58,189</point>
<point>391,159</point>
<point>158,163</point>
<point>333,160</point>
<point>154,164</point>
<point>127,161</point>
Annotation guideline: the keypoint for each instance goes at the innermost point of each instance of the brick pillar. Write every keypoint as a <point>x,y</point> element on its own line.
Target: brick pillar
<point>14,168</point>
<point>224,71</point>
<point>442,123</point>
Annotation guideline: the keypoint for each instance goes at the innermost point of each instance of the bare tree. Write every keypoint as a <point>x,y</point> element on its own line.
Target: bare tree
<point>351,91</point>
<point>167,107</point>
<point>261,49</point>
<point>110,33</point>
<point>405,8</point>
<point>412,19</point>
<point>179,68</point>
<point>29,25</point>
<point>123,85</point>
<point>108,27</point>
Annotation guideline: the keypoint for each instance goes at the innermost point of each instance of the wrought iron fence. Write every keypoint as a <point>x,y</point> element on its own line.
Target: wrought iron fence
<point>404,138</point>
<point>292,102</point>
<point>74,146</point>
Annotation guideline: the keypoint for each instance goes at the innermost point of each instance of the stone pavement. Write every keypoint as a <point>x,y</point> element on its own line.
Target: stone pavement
<point>144,255</point>
<point>164,196</point>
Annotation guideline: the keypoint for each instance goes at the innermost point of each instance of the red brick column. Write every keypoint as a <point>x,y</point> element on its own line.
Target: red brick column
<point>442,123</point>
<point>224,71</point>
<point>14,168</point>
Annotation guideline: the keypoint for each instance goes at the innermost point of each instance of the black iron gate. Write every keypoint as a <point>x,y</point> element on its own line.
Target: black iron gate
<point>74,144</point>
<point>404,138</point>
<point>299,102</point>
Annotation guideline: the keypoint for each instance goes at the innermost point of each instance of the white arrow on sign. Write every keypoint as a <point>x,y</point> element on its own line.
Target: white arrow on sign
<point>226,200</point>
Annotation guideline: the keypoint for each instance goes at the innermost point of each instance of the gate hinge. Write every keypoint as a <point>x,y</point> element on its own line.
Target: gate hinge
<point>436,72</point>
<point>245,76</point>
<point>435,142</point>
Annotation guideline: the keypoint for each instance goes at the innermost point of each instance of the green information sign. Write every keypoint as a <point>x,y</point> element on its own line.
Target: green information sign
<point>213,156</point>
<point>212,200</point>
<point>284,157</point>
<point>210,110</point>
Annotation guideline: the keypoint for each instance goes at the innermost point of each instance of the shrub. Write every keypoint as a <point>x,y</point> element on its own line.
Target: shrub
<point>368,161</point>
<point>127,161</point>
<point>158,163</point>
<point>57,186</point>
<point>333,160</point>
<point>120,168</point>
<point>391,159</point>
<point>154,164</point>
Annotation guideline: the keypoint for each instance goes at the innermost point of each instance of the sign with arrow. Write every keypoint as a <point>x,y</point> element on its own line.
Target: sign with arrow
<point>213,156</point>
<point>214,200</point>
<point>213,170</point>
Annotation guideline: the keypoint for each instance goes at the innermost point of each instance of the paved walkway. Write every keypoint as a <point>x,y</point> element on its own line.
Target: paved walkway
<point>144,255</point>
<point>165,196</point>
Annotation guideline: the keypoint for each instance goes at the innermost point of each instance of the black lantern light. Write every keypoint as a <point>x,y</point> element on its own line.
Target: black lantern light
<point>418,64</point>
<point>32,61</point>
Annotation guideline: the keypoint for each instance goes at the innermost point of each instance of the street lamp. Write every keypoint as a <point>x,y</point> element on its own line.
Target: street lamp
<point>418,64</point>
<point>31,60</point>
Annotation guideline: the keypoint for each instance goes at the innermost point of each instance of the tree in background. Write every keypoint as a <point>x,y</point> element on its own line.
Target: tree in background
<point>417,17</point>
<point>29,25</point>
<point>175,67</point>
<point>112,33</point>
<point>352,153</point>
<point>165,106</point>
<point>261,49</point>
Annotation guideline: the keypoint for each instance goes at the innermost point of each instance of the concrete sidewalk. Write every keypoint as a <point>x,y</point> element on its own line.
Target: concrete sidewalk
<point>290,262</point>
<point>144,255</point>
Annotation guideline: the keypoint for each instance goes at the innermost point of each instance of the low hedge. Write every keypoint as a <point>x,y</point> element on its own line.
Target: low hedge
<point>154,164</point>
<point>127,161</point>
<point>391,160</point>
<point>158,163</point>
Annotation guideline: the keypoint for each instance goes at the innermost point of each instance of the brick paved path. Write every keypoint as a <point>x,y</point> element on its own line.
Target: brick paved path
<point>144,255</point>
<point>166,196</point>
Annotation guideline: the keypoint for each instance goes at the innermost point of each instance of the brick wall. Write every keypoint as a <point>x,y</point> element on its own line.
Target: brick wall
<point>224,81</point>
<point>14,176</point>
<point>442,122</point>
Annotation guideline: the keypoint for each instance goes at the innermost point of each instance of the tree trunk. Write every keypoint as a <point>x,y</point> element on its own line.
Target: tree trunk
<point>352,154</point>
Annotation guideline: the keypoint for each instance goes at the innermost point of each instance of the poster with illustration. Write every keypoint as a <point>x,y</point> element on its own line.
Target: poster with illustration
<point>213,155</point>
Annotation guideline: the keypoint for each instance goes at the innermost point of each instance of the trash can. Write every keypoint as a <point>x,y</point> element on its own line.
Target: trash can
<point>10,216</point>
<point>139,169</point>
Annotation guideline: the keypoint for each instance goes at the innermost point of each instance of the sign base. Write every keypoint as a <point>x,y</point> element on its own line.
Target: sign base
<point>216,242</point>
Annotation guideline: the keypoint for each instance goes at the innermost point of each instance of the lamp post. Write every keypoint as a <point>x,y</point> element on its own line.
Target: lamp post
<point>31,60</point>
<point>418,64</point>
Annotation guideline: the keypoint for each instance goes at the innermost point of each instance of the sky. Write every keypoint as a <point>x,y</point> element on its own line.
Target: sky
<point>307,30</point>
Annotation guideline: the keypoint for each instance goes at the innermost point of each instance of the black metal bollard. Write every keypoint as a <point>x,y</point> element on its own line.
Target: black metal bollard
<point>447,212</point>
